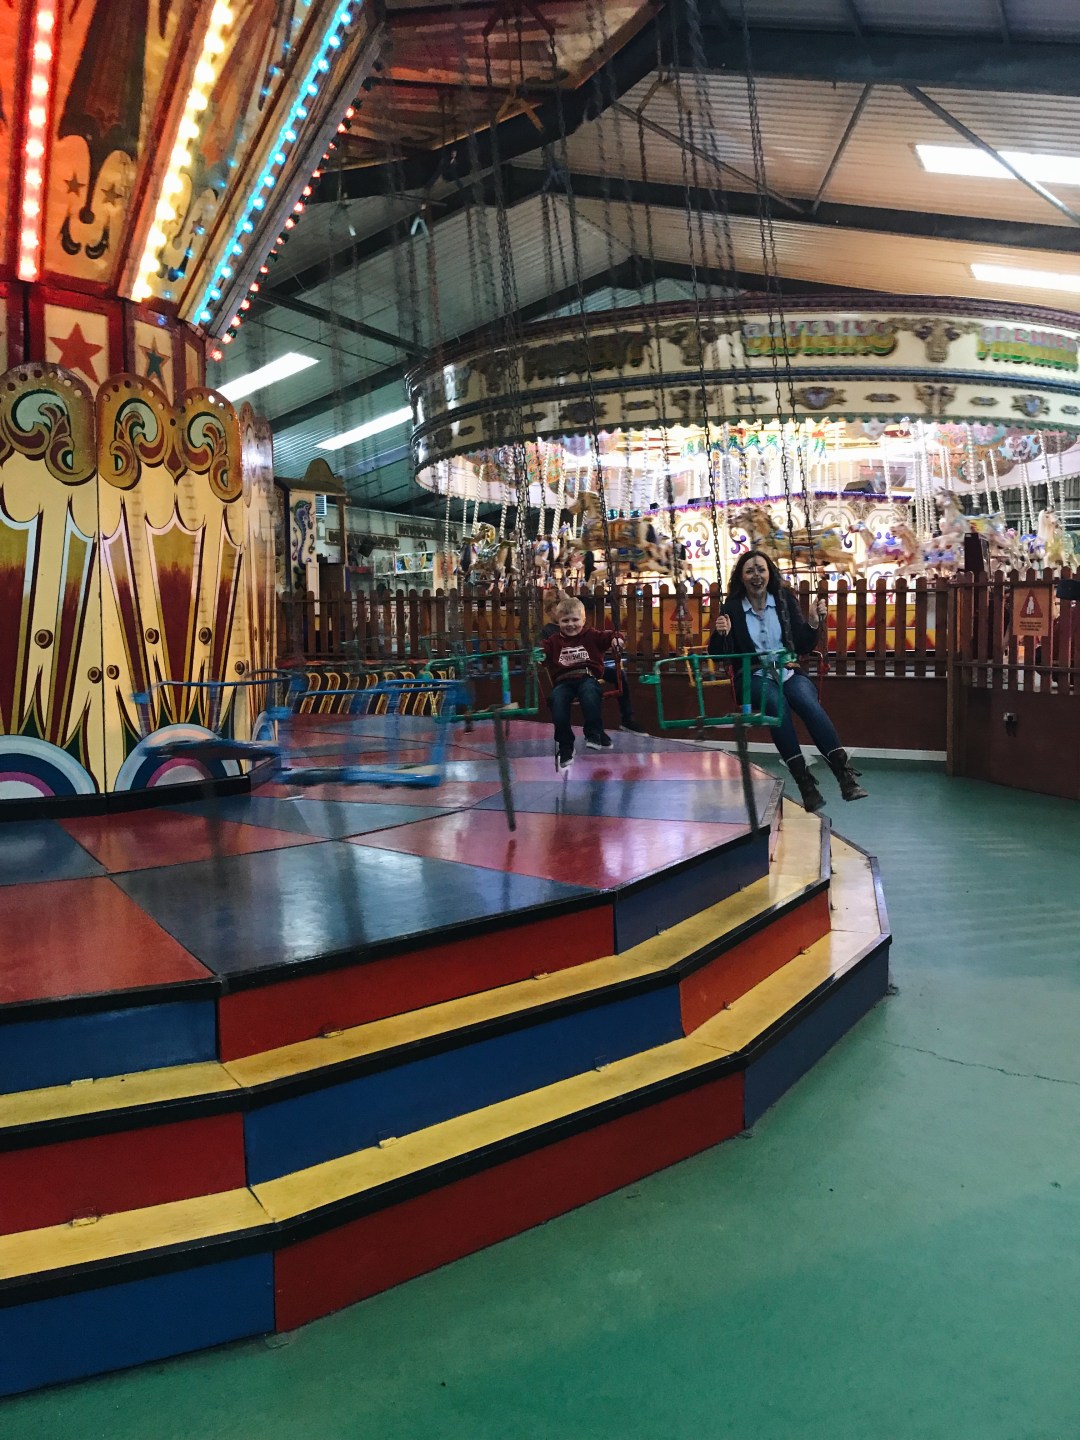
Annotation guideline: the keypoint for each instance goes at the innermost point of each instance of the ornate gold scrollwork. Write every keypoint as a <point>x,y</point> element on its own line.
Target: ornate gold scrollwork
<point>210,442</point>
<point>47,414</point>
<point>136,426</point>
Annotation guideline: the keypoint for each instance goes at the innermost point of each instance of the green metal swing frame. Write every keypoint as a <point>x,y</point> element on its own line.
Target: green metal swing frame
<point>701,668</point>
<point>772,662</point>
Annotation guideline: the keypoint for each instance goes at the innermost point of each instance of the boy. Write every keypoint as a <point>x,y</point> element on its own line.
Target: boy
<point>620,684</point>
<point>574,656</point>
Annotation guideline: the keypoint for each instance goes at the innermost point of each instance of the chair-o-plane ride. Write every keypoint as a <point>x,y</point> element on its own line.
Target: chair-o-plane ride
<point>368,988</point>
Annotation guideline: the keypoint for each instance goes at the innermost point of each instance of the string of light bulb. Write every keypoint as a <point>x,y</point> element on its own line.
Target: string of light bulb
<point>288,137</point>
<point>198,98</point>
<point>37,121</point>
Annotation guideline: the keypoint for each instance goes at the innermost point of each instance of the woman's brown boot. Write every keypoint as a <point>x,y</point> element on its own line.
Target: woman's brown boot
<point>809,793</point>
<point>841,766</point>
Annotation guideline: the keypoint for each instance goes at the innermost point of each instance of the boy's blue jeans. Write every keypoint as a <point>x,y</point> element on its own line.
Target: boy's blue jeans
<point>800,692</point>
<point>587,692</point>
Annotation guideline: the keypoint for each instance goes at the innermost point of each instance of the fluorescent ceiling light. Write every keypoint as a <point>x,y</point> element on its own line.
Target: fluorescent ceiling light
<point>279,369</point>
<point>370,427</point>
<point>970,160</point>
<point>1033,279</point>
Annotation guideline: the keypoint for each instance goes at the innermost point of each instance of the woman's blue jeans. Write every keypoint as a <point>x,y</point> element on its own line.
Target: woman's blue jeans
<point>800,692</point>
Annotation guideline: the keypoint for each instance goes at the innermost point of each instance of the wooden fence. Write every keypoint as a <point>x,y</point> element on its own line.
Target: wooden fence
<point>1013,698</point>
<point>1015,634</point>
<point>895,629</point>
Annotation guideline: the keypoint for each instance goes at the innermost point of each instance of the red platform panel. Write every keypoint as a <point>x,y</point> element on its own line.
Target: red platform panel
<point>82,937</point>
<point>705,993</point>
<point>285,1011</point>
<point>99,1175</point>
<point>365,1256</point>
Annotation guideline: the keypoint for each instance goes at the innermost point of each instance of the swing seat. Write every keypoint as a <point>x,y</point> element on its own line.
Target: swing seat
<point>607,690</point>
<point>733,670</point>
<point>395,697</point>
<point>718,669</point>
<point>210,703</point>
<point>212,747</point>
<point>498,667</point>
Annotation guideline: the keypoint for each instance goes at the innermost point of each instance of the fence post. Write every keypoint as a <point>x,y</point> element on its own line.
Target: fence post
<point>665,648</point>
<point>900,613</point>
<point>860,625</point>
<point>842,625</point>
<point>647,633</point>
<point>881,626</point>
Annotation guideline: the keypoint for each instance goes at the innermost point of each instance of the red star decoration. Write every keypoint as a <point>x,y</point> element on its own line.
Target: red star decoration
<point>76,352</point>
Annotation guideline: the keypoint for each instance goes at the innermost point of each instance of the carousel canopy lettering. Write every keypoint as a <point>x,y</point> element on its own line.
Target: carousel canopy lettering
<point>1018,346</point>
<point>575,357</point>
<point>822,337</point>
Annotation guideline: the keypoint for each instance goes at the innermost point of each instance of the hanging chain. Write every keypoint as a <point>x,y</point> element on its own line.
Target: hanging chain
<point>781,363</point>
<point>582,310</point>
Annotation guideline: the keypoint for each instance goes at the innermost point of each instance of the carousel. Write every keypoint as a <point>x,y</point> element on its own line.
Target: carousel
<point>843,443</point>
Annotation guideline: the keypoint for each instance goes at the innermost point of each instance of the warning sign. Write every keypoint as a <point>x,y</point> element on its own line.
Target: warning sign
<point>1031,613</point>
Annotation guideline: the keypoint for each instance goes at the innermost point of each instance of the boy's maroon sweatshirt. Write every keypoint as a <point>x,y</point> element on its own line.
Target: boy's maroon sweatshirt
<point>572,657</point>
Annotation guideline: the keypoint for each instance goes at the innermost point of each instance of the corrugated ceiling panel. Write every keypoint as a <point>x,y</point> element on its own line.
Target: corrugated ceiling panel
<point>955,16</point>
<point>892,263</point>
<point>1029,19</point>
<point>798,14</point>
<point>296,447</point>
<point>324,231</point>
<point>802,123</point>
<point>880,166</point>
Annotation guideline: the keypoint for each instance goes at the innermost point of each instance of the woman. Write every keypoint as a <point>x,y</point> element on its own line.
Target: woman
<point>761,614</point>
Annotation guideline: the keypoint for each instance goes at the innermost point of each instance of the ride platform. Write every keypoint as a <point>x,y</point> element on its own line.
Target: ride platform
<point>263,1056</point>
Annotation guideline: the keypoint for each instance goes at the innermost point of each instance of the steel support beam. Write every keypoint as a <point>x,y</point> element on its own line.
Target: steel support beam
<point>849,130</point>
<point>635,117</point>
<point>274,298</point>
<point>355,390</point>
<point>973,229</point>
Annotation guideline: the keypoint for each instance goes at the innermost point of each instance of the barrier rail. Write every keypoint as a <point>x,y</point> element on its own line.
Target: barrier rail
<point>880,628</point>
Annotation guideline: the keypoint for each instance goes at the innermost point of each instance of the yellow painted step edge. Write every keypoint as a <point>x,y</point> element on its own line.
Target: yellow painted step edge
<point>131,1232</point>
<point>305,1190</point>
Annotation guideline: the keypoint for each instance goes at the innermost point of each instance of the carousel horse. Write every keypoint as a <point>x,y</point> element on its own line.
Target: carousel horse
<point>486,558</point>
<point>635,544</point>
<point>824,551</point>
<point>1004,546</point>
<point>545,555</point>
<point>953,524</point>
<point>899,546</point>
<point>1057,545</point>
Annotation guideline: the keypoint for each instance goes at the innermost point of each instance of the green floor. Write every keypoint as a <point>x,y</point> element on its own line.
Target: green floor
<point>895,1253</point>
